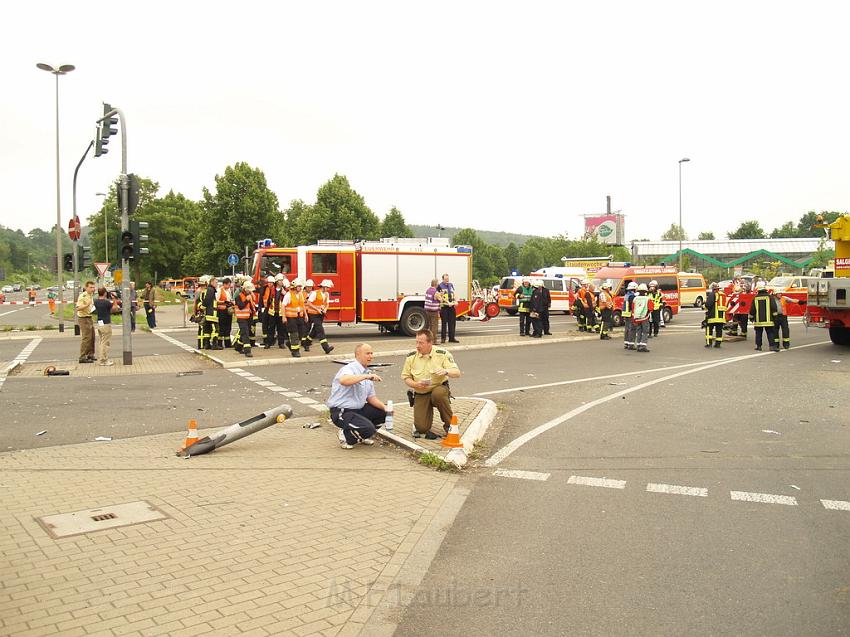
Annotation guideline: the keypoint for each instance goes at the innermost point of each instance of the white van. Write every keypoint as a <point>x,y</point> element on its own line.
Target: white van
<point>691,289</point>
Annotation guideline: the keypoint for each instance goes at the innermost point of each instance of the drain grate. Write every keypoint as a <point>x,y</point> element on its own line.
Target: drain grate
<point>109,517</point>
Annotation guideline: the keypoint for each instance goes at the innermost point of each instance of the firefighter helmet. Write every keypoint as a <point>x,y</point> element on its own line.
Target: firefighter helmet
<point>642,287</point>
<point>327,283</point>
<point>653,284</point>
<point>248,286</point>
<point>270,279</point>
<point>632,285</point>
<point>309,283</point>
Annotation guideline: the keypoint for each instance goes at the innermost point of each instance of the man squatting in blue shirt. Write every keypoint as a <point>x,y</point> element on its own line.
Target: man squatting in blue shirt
<point>354,406</point>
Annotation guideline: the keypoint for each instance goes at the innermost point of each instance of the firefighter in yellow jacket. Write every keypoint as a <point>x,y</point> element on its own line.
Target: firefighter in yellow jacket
<point>317,308</point>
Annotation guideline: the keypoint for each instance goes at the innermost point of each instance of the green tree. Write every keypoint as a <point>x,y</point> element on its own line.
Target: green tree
<point>511,254</point>
<point>241,210</point>
<point>748,230</point>
<point>674,233</point>
<point>822,255</point>
<point>804,226</point>
<point>112,215</point>
<point>393,225</point>
<point>339,213</point>
<point>294,218</point>
<point>706,236</point>
<point>785,231</point>
<point>172,221</point>
<point>531,258</point>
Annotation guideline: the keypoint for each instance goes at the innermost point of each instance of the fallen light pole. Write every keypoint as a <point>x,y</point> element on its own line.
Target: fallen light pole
<point>237,431</point>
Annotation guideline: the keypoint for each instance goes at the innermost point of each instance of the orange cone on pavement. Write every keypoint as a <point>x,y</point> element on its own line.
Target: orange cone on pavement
<point>452,438</point>
<point>192,434</point>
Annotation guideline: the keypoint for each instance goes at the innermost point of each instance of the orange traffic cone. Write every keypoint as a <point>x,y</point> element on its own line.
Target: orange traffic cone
<point>191,435</point>
<point>452,438</point>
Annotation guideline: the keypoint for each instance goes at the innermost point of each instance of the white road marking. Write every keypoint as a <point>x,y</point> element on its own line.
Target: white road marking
<point>174,341</point>
<point>266,384</point>
<point>676,489</point>
<point>20,359</point>
<point>836,505</point>
<point>764,498</point>
<point>515,444</point>
<point>11,311</point>
<point>253,378</point>
<point>522,475</point>
<point>597,482</point>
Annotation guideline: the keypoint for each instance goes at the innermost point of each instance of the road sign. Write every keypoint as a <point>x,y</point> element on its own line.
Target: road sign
<point>118,276</point>
<point>101,268</point>
<point>74,229</point>
<point>232,259</point>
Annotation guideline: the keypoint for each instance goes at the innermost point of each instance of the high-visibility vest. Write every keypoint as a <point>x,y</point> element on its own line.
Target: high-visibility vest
<point>763,316</point>
<point>319,302</point>
<point>223,298</point>
<point>605,300</point>
<point>245,313</point>
<point>718,315</point>
<point>295,307</point>
<point>268,298</point>
<point>627,305</point>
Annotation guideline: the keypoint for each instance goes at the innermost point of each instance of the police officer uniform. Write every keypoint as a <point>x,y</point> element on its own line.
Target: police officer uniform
<point>421,367</point>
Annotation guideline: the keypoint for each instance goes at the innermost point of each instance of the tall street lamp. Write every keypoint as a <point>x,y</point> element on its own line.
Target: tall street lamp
<point>105,226</point>
<point>62,70</point>
<point>681,231</point>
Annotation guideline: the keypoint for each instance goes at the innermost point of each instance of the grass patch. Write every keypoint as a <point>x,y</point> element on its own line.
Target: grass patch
<point>479,450</point>
<point>8,328</point>
<point>436,462</point>
<point>31,328</point>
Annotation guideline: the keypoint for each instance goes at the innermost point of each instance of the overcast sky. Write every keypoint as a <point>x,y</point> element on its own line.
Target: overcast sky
<point>514,116</point>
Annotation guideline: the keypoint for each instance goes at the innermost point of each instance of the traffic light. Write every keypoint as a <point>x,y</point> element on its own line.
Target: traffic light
<point>136,228</point>
<point>83,257</point>
<point>132,195</point>
<point>127,241</point>
<point>68,262</point>
<point>104,132</point>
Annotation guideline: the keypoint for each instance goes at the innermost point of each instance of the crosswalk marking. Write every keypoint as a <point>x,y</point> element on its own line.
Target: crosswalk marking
<point>20,359</point>
<point>675,489</point>
<point>597,482</point>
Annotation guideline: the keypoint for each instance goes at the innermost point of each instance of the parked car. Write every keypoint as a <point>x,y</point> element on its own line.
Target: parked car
<point>17,287</point>
<point>7,289</point>
<point>36,286</point>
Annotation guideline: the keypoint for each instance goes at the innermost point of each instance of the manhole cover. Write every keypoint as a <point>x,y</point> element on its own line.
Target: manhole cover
<point>109,517</point>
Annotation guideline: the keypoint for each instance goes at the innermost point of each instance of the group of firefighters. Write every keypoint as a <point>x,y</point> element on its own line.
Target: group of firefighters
<point>733,308</point>
<point>291,313</point>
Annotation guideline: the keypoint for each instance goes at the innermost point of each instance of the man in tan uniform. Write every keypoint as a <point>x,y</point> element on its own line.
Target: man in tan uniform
<point>84,309</point>
<point>427,371</point>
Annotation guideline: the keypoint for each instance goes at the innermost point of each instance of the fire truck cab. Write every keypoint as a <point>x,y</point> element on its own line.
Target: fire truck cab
<point>380,282</point>
<point>620,275</point>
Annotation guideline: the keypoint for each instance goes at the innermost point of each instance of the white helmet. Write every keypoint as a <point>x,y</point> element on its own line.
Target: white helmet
<point>279,277</point>
<point>309,283</point>
<point>327,283</point>
<point>632,285</point>
<point>761,285</point>
<point>642,287</point>
<point>248,286</point>
<point>606,285</point>
<point>296,283</point>
<point>204,279</point>
<point>653,283</point>
<point>285,282</point>
<point>585,281</point>
<point>270,279</point>
<point>537,283</point>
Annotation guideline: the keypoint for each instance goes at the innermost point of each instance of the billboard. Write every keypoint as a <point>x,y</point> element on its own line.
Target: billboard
<point>605,228</point>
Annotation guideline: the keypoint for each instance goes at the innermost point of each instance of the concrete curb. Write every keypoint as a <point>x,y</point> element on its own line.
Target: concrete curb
<point>473,433</point>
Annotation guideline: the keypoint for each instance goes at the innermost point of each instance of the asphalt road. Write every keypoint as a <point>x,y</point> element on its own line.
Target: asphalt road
<point>609,543</point>
<point>588,550</point>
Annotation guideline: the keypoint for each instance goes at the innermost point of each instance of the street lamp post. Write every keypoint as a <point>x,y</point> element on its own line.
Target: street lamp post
<point>62,70</point>
<point>105,227</point>
<point>681,231</point>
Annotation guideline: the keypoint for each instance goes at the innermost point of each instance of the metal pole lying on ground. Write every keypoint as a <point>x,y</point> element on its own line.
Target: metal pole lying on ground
<point>238,430</point>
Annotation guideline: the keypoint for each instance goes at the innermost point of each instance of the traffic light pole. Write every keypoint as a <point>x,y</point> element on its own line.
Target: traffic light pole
<point>126,302</point>
<point>76,263</point>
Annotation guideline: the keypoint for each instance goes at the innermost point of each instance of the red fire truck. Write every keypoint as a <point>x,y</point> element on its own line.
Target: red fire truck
<point>380,282</point>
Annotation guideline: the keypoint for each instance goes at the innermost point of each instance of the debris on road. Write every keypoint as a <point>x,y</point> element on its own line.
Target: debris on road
<point>41,433</point>
<point>312,425</point>
<point>103,439</point>
<point>191,373</point>
<point>794,486</point>
<point>770,431</point>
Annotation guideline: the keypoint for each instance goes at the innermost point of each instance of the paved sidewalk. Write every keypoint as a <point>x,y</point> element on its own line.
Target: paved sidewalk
<point>282,533</point>
<point>156,364</point>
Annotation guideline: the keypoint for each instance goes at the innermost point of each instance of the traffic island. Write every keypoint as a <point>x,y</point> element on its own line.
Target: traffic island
<point>474,416</point>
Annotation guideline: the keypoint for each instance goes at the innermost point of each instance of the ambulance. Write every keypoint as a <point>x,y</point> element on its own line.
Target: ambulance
<point>792,286</point>
<point>620,274</point>
<point>381,282</point>
<point>562,283</point>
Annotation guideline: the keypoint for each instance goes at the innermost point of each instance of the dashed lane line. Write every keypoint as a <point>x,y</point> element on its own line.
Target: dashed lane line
<point>20,359</point>
<point>836,505</point>
<point>764,498</point>
<point>676,489</point>
<point>283,391</point>
<point>606,483</point>
<point>522,475</point>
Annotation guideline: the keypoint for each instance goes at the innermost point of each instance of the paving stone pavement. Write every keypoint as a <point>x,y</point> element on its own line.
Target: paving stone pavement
<point>156,364</point>
<point>282,533</point>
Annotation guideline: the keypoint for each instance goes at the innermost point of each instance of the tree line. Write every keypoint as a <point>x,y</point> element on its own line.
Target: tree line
<point>751,229</point>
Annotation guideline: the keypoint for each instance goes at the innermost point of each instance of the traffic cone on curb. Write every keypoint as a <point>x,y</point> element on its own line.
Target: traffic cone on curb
<point>452,438</point>
<point>191,434</point>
